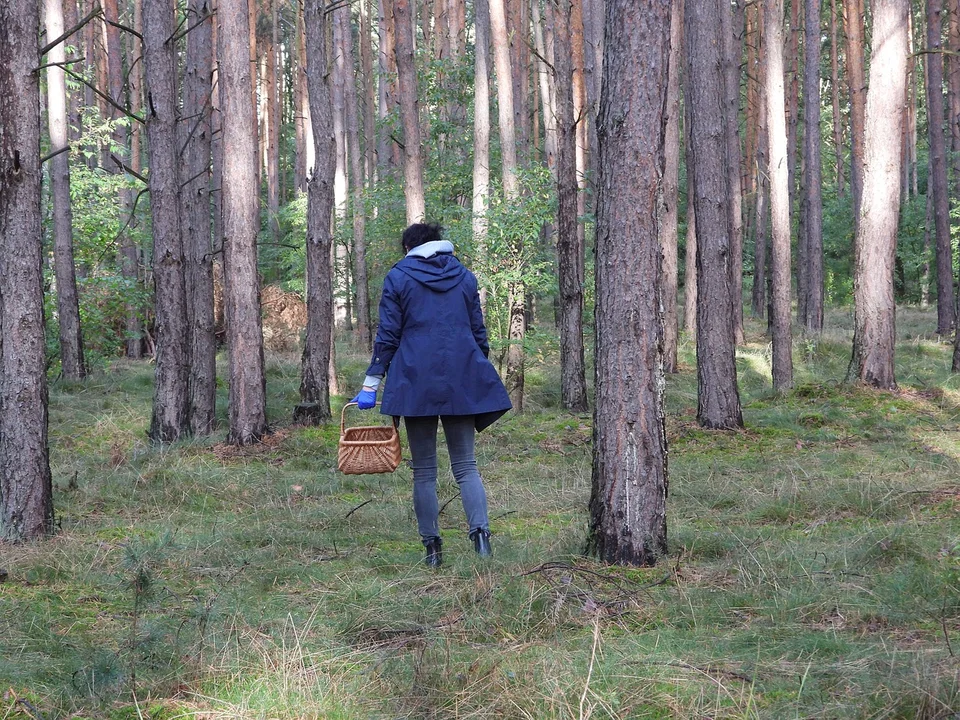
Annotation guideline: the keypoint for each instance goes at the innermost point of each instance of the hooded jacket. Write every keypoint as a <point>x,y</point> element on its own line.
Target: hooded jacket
<point>432,343</point>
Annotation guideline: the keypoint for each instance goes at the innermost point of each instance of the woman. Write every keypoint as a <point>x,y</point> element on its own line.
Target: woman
<point>433,341</point>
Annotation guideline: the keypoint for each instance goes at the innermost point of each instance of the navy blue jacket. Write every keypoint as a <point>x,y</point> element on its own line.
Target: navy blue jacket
<point>433,341</point>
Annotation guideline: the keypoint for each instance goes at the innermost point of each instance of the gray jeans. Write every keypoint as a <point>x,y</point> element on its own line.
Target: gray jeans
<point>460,433</point>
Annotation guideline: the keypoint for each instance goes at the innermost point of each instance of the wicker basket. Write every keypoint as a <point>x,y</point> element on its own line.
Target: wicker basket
<point>368,449</point>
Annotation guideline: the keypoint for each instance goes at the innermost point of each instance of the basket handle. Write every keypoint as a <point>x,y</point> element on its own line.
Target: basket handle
<point>343,418</point>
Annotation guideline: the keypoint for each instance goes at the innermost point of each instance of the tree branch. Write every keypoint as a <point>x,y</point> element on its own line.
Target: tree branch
<point>130,170</point>
<point>178,36</point>
<point>113,103</point>
<point>51,156</point>
<point>125,29</point>
<point>79,26</point>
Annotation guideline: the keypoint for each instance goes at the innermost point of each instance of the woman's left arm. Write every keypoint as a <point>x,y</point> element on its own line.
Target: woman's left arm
<point>388,331</point>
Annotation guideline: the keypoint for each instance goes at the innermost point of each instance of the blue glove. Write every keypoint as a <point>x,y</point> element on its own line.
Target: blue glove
<point>366,399</point>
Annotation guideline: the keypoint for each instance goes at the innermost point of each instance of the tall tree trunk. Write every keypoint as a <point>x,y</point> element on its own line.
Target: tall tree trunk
<point>835,98</point>
<point>170,419</point>
<point>74,122</point>
<point>518,31</point>
<point>387,148</point>
<point>68,303</point>
<point>813,177</point>
<point>26,489</point>
<point>953,88</point>
<point>857,82</point>
<point>362,307</point>
<point>247,410</point>
<point>545,77</point>
<point>511,191</point>
<point>301,109</point>
<point>628,521</point>
<point>758,298</point>
<point>946,310</point>
<point>481,126</point>
<point>782,361</point>
<point>690,254</point>
<point>730,59</point>
<point>718,399</point>
<point>671,190</point>
<point>318,343</point>
<point>270,51</point>
<point>369,88</point>
<point>409,113</point>
<point>876,239</point>
<point>792,78</point>
<point>570,250</point>
<point>195,217</point>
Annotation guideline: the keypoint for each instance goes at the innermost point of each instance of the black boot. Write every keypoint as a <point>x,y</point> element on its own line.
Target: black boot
<point>481,542</point>
<point>434,557</point>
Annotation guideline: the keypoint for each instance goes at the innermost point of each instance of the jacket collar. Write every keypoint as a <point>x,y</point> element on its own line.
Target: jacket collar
<point>429,249</point>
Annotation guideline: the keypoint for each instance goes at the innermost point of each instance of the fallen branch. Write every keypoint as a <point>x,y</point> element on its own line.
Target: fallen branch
<point>367,502</point>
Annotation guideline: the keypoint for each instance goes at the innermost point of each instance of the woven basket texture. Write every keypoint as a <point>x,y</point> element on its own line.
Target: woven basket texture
<point>368,449</point>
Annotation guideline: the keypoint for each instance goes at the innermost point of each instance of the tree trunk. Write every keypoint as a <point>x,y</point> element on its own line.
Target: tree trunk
<point>946,311</point>
<point>369,86</point>
<point>953,88</point>
<point>782,361</point>
<point>273,127</point>
<point>730,59</point>
<point>195,218</point>
<point>409,113</point>
<point>792,78</point>
<point>301,109</point>
<point>671,191</point>
<point>628,521</point>
<point>68,304</point>
<point>362,307</point>
<point>690,255</point>
<point>74,122</point>
<point>26,489</point>
<point>387,148</point>
<point>547,94</point>
<point>511,190</point>
<point>318,343</point>
<point>718,399</point>
<point>835,98</point>
<point>570,250</point>
<point>759,294</point>
<point>481,126</point>
<point>876,239</point>
<point>518,31</point>
<point>856,81</point>
<point>813,177</point>
<point>241,221</point>
<point>170,419</point>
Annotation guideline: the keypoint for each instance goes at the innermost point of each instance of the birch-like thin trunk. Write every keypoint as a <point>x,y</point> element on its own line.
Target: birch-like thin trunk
<point>26,488</point>
<point>835,99</point>
<point>68,302</point>
<point>170,420</point>
<point>481,126</point>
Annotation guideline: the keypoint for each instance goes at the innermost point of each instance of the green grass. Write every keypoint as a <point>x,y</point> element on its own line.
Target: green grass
<point>814,566</point>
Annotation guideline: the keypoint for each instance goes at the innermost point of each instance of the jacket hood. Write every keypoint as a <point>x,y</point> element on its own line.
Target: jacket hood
<point>440,270</point>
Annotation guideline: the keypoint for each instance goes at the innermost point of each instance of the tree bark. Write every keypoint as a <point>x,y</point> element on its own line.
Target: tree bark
<point>170,419</point>
<point>369,87</point>
<point>813,177</point>
<point>856,81</point>
<point>481,126</point>
<point>570,249</point>
<point>730,59</point>
<point>876,239</point>
<point>835,99</point>
<point>946,310</point>
<point>718,399</point>
<point>777,145</point>
<point>26,489</point>
<point>511,190</point>
<point>362,308</point>
<point>690,254</point>
<point>241,221</point>
<point>318,343</point>
<point>760,251</point>
<point>270,51</point>
<point>409,113</point>
<point>195,217</point>
<point>68,303</point>
<point>671,191</point>
<point>629,485</point>
<point>547,94</point>
<point>74,122</point>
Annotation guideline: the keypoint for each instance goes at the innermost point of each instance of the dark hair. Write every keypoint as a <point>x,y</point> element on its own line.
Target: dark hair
<point>420,233</point>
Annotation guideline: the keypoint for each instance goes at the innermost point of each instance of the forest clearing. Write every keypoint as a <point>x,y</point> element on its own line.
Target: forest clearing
<point>813,566</point>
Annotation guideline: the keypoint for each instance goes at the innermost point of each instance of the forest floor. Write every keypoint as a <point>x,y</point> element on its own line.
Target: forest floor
<point>814,567</point>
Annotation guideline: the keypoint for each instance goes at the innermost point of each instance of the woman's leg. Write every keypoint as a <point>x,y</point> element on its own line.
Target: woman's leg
<point>422,436</point>
<point>461,433</point>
